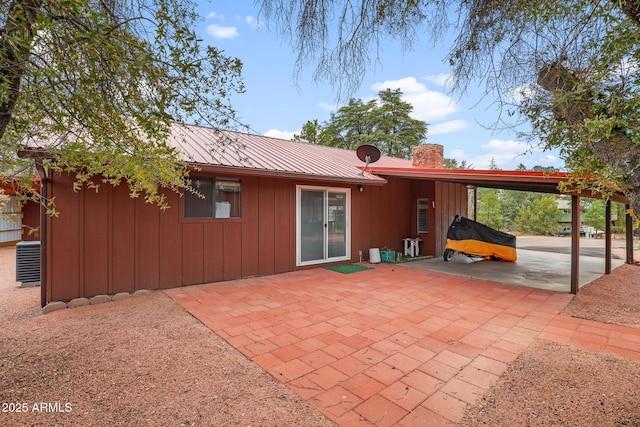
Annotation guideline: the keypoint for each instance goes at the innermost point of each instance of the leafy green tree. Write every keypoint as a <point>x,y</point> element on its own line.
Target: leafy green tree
<point>397,133</point>
<point>594,214</point>
<point>619,215</point>
<point>310,132</point>
<point>100,82</point>
<point>384,122</point>
<point>489,210</point>
<point>493,165</point>
<point>538,168</point>
<point>351,126</point>
<point>540,217</point>
<point>511,203</point>
<point>454,164</point>
<point>571,66</point>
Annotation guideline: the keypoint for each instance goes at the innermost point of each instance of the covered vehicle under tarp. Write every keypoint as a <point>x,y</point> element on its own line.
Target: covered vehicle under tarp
<point>471,238</point>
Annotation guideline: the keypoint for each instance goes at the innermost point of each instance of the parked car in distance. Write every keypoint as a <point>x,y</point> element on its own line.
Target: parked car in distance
<point>584,231</point>
<point>565,232</point>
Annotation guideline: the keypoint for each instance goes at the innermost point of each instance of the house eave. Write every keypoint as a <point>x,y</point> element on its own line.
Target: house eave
<point>366,179</point>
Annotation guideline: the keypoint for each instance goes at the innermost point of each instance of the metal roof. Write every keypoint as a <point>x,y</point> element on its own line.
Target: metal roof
<point>211,149</point>
<point>219,150</point>
<point>545,182</point>
<point>536,181</point>
<point>214,150</point>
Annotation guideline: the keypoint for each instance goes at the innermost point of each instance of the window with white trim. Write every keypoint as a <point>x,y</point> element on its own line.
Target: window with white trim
<point>423,216</point>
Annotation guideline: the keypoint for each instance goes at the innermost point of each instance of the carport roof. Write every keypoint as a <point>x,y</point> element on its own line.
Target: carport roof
<point>536,181</point>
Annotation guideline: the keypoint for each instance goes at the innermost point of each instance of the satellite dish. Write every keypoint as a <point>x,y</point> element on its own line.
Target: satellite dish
<point>368,154</point>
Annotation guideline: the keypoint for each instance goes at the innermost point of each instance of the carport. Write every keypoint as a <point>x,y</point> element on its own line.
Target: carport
<point>540,182</point>
<point>533,266</point>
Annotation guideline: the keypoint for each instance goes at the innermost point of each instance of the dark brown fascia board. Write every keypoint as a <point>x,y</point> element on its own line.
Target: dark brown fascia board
<point>39,153</point>
<point>526,181</point>
<point>220,169</point>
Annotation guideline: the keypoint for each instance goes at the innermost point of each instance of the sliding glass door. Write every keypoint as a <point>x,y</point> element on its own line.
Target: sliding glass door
<point>323,233</point>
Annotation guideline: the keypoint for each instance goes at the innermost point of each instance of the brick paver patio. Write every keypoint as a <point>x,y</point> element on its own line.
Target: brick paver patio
<point>393,345</point>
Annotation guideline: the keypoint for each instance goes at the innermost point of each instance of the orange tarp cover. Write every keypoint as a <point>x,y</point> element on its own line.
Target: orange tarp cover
<point>483,249</point>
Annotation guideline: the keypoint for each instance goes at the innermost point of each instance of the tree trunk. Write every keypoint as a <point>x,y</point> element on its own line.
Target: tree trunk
<point>15,47</point>
<point>631,8</point>
<point>618,150</point>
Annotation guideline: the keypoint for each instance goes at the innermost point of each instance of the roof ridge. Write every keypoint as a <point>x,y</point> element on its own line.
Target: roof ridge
<point>289,141</point>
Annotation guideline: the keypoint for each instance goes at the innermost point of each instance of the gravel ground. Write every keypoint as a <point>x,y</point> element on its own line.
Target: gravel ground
<point>145,361</point>
<point>560,385</point>
<point>555,385</point>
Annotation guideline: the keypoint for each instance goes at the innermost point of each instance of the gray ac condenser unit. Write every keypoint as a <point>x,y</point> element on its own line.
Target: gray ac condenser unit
<point>28,263</point>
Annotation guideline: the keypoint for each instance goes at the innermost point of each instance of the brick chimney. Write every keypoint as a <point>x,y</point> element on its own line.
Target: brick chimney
<point>429,156</point>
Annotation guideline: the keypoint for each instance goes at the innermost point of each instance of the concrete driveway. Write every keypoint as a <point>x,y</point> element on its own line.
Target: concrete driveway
<point>543,262</point>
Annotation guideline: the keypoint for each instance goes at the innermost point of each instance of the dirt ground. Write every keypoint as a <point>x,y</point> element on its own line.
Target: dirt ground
<point>143,361</point>
<point>560,385</point>
<point>146,361</point>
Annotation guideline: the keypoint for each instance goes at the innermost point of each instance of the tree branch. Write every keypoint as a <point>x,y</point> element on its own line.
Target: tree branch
<point>15,46</point>
<point>574,105</point>
<point>631,8</point>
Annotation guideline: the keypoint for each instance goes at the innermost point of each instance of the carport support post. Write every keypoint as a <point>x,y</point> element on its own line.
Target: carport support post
<point>607,235</point>
<point>475,203</point>
<point>629,224</point>
<point>575,244</point>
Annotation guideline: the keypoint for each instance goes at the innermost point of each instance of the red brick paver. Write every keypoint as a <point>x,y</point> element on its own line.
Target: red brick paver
<point>393,345</point>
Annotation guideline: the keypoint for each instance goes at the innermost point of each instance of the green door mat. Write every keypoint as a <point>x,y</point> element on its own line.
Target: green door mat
<point>347,268</point>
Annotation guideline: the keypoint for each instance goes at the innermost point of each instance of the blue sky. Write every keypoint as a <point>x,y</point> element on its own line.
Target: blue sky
<point>275,104</point>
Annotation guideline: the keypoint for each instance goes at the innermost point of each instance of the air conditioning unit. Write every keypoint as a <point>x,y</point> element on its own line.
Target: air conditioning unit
<point>28,263</point>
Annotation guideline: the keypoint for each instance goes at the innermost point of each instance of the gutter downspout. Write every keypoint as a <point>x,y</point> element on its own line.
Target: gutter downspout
<point>44,182</point>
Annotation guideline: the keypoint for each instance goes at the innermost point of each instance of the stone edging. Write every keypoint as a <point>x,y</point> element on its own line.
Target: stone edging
<point>98,299</point>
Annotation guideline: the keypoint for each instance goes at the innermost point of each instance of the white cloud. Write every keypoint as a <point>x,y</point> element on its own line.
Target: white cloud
<point>447,127</point>
<point>327,106</point>
<point>408,85</point>
<point>505,146</point>
<point>221,32</point>
<point>282,134</point>
<point>522,93</point>
<point>548,159</point>
<point>253,22</point>
<point>457,153</point>
<point>625,69</point>
<point>431,106</point>
<point>484,161</point>
<point>214,15</point>
<point>439,79</point>
<point>507,155</point>
<point>428,105</point>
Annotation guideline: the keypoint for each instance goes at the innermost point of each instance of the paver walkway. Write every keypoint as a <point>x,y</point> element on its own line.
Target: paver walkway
<point>393,345</point>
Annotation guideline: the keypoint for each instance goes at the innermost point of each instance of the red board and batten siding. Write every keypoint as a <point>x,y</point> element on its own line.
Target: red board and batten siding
<point>451,200</point>
<point>446,200</point>
<point>106,242</point>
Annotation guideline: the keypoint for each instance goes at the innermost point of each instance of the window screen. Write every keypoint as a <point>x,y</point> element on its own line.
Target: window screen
<point>219,198</point>
<point>423,216</point>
